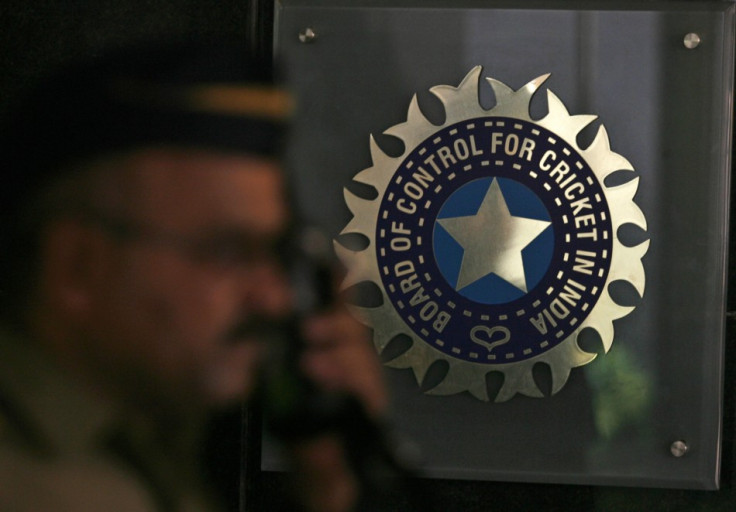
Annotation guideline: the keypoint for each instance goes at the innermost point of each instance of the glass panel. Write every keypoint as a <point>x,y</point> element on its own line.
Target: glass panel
<point>659,77</point>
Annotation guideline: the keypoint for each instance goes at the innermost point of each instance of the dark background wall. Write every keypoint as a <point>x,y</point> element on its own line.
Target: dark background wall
<point>38,35</point>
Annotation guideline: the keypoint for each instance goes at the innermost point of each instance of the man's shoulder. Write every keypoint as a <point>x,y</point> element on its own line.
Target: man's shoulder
<point>31,480</point>
<point>37,470</point>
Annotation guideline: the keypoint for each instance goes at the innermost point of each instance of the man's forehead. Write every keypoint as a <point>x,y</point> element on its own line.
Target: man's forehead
<point>184,159</point>
<point>203,186</point>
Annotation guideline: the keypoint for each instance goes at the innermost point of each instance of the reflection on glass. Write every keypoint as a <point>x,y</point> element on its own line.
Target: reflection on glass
<point>665,108</point>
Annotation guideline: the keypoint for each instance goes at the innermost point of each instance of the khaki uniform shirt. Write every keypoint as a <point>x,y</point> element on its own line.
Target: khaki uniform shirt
<point>62,449</point>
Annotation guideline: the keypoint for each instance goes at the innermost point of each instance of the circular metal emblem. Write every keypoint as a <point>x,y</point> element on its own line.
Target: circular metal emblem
<point>493,240</point>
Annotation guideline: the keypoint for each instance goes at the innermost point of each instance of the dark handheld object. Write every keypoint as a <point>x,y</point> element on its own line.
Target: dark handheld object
<point>296,409</point>
<point>293,405</point>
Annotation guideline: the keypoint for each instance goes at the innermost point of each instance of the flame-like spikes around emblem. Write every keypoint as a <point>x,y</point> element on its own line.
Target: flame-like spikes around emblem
<point>415,129</point>
<point>558,118</point>
<point>630,213</point>
<point>502,91</point>
<point>460,102</point>
<point>472,148</point>
<point>601,159</point>
<point>462,379</point>
<point>515,104</point>
<point>359,223</point>
<point>631,273</point>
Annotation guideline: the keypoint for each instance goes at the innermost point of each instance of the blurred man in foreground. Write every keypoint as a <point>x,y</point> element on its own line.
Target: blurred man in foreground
<point>143,229</point>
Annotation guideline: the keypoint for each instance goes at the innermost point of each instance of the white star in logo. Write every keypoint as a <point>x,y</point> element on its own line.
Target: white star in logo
<point>492,240</point>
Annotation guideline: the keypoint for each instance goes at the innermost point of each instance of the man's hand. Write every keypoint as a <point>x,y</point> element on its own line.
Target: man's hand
<point>339,357</point>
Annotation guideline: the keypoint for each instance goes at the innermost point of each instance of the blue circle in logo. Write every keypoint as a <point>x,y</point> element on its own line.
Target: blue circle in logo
<point>536,256</point>
<point>537,234</point>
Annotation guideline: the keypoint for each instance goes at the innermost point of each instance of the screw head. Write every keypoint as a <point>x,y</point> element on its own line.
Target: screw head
<point>307,35</point>
<point>691,40</point>
<point>678,448</point>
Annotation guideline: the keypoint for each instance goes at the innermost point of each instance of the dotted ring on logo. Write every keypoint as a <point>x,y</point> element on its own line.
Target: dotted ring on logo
<point>518,166</point>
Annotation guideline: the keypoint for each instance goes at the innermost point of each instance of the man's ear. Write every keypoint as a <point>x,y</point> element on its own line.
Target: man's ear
<point>74,258</point>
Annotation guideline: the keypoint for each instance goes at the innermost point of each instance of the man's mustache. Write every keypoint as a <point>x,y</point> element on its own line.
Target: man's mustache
<point>258,327</point>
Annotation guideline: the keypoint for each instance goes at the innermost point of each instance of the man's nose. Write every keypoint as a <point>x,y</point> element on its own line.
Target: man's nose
<point>268,289</point>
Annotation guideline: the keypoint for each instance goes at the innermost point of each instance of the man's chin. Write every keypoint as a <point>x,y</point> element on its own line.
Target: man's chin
<point>234,376</point>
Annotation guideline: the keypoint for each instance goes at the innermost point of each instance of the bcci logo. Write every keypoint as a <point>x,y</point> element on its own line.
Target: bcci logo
<point>493,240</point>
